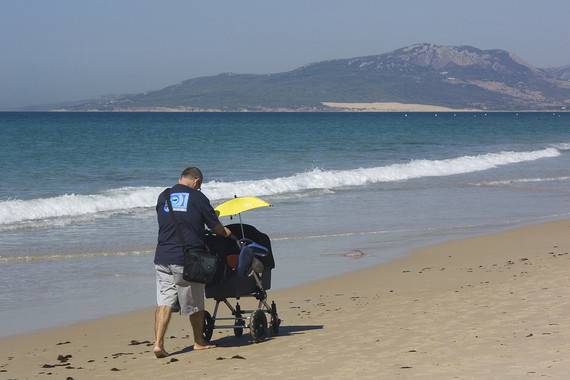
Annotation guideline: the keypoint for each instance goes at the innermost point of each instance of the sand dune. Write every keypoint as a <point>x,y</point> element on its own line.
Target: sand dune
<point>392,107</point>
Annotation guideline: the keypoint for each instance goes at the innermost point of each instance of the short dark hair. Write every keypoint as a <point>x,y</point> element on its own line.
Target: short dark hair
<point>192,172</point>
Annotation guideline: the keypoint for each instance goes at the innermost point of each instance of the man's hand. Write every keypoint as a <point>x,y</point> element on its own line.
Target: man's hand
<point>220,230</point>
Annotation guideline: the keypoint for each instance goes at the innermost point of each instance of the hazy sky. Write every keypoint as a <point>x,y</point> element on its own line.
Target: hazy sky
<point>57,50</point>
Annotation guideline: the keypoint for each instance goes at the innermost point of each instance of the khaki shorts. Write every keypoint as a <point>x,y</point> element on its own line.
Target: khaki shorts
<point>170,285</point>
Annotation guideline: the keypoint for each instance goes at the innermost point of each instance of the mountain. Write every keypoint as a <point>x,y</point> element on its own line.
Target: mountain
<point>449,76</point>
<point>562,73</point>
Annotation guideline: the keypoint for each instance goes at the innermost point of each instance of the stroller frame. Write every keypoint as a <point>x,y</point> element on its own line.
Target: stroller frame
<point>254,319</point>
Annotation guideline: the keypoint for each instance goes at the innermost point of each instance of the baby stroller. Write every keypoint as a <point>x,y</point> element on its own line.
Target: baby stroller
<point>245,271</point>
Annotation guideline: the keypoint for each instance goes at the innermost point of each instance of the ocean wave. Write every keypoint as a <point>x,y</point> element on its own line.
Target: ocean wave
<point>561,146</point>
<point>72,256</point>
<point>507,182</point>
<point>128,199</point>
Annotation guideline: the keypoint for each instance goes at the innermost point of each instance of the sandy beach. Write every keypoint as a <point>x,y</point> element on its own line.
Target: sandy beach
<point>489,307</point>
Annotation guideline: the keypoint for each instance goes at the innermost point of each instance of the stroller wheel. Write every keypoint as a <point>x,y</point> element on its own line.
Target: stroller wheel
<point>239,322</point>
<point>275,321</point>
<point>258,325</point>
<point>208,326</point>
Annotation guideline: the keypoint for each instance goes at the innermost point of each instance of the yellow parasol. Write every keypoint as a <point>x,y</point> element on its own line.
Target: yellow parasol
<point>238,205</point>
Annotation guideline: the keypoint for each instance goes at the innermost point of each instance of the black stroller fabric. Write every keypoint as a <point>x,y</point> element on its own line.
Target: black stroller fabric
<point>228,284</point>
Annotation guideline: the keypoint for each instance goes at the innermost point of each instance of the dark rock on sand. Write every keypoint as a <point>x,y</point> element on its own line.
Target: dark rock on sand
<point>119,354</point>
<point>64,358</point>
<point>136,342</point>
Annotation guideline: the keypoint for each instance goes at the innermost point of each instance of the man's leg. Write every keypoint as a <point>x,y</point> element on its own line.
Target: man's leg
<point>166,294</point>
<point>197,323</point>
<point>161,319</point>
<point>191,297</point>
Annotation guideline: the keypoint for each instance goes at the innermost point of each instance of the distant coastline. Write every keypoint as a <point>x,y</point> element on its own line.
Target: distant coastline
<point>378,107</point>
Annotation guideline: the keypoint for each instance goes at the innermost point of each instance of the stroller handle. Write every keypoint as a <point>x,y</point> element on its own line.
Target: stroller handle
<point>240,242</point>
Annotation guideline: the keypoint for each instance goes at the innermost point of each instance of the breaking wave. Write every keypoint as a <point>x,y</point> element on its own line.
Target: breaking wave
<point>521,180</point>
<point>562,146</point>
<point>129,199</point>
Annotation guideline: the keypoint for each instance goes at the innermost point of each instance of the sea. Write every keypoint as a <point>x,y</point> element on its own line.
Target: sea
<point>348,190</point>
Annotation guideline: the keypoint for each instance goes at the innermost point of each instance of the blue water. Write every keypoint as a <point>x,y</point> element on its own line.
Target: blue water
<point>78,189</point>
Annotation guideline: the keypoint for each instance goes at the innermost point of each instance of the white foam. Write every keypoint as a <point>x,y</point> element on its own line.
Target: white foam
<point>130,198</point>
<point>41,258</point>
<point>69,205</point>
<point>562,146</point>
<point>521,180</point>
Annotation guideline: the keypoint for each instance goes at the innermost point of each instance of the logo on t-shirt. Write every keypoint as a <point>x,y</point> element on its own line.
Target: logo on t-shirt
<point>179,202</point>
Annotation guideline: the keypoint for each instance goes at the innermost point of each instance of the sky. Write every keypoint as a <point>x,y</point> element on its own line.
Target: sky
<point>64,50</point>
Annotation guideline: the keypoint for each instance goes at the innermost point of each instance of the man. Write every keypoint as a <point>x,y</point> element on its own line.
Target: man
<point>192,210</point>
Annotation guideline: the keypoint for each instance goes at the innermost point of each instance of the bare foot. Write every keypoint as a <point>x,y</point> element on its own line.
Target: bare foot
<point>159,352</point>
<point>204,346</point>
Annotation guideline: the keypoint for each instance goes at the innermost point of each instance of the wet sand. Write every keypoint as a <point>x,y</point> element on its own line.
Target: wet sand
<point>490,307</point>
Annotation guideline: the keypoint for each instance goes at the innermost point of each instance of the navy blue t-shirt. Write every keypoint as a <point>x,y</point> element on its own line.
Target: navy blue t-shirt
<point>192,210</point>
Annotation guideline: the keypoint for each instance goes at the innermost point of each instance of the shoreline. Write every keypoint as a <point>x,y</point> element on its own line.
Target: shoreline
<point>403,254</point>
<point>338,108</point>
<point>376,312</point>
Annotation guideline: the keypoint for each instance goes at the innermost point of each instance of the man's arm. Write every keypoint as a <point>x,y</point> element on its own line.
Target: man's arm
<point>211,219</point>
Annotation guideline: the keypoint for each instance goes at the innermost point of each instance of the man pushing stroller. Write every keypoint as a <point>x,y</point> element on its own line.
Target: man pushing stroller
<point>193,210</point>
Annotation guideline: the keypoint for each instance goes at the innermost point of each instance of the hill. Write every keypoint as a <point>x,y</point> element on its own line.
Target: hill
<point>446,76</point>
<point>562,73</point>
